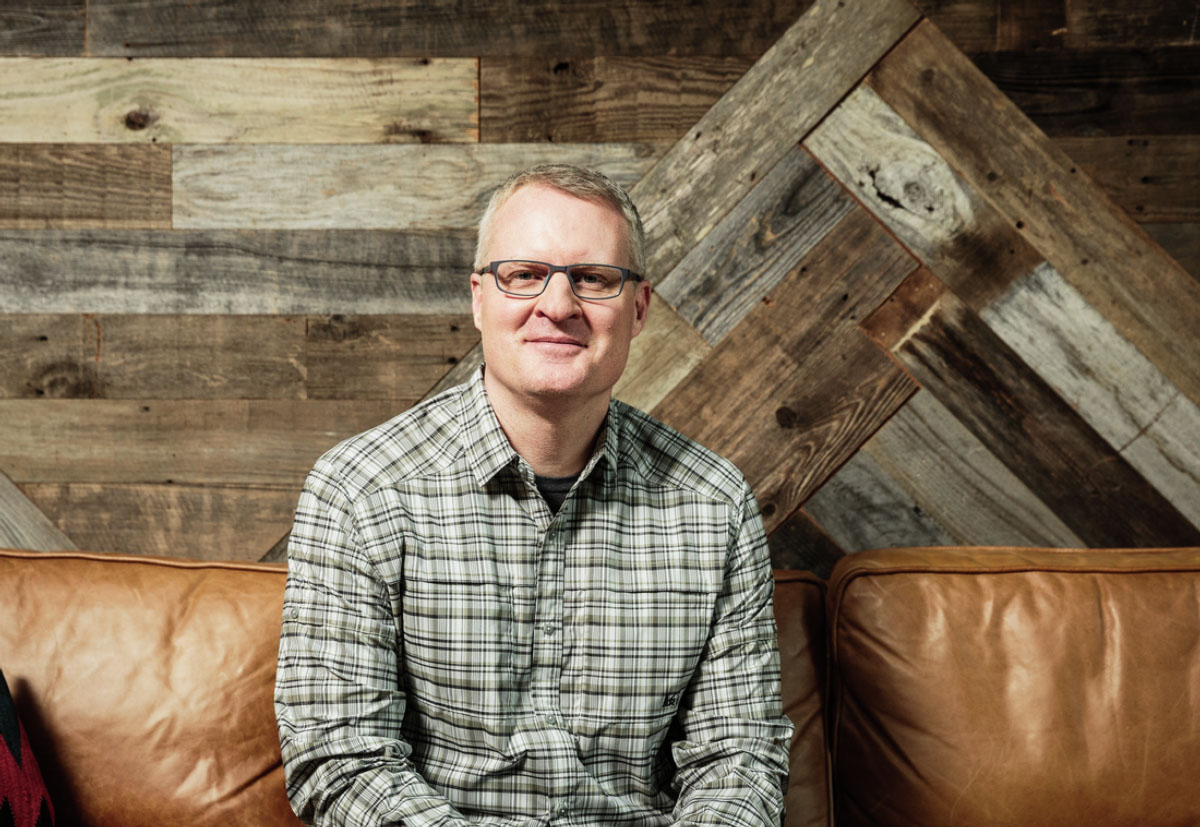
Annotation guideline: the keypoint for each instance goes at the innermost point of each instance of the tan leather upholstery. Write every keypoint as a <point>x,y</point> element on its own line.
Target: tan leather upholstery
<point>800,618</point>
<point>146,686</point>
<point>1010,687</point>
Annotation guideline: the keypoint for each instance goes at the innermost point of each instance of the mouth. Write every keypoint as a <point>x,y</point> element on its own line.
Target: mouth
<point>563,342</point>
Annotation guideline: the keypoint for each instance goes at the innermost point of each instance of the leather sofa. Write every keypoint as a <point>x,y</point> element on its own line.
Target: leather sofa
<point>928,687</point>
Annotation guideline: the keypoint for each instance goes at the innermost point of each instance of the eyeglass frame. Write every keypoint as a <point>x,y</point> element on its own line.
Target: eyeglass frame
<point>565,269</point>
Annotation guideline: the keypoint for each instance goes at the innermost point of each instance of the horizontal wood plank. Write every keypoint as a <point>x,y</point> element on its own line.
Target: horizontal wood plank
<point>42,27</point>
<point>235,272</point>
<point>1030,24</point>
<point>1103,91</point>
<point>1130,23</point>
<point>1151,177</point>
<point>1061,212</point>
<point>263,443</point>
<point>349,100</point>
<point>24,525</point>
<point>412,188</point>
<point>1181,241</point>
<point>594,99</point>
<point>960,485</point>
<point>59,185</point>
<point>799,543</point>
<point>195,522</point>
<point>779,99</point>
<point>335,28</point>
<point>1042,440</point>
<point>723,277</point>
<point>970,24</point>
<point>1112,386</point>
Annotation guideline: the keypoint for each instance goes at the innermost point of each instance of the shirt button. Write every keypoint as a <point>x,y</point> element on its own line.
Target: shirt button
<point>548,628</point>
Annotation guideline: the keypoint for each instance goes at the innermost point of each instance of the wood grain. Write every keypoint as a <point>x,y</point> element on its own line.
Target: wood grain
<point>235,272</point>
<point>662,356</point>
<point>1045,443</point>
<point>370,28</point>
<point>197,522</point>
<point>916,194</point>
<point>1151,177</point>
<point>1181,241</point>
<point>1030,24</point>
<point>1130,23</point>
<point>799,543</point>
<point>723,277</point>
<point>350,100</point>
<point>1147,296</point>
<point>23,525</point>
<point>263,443</point>
<point>789,89</point>
<point>592,99</point>
<point>1103,377</point>
<point>42,27</point>
<point>970,24</point>
<point>1102,91</point>
<point>862,507</point>
<point>958,484</point>
<point>56,185</point>
<point>412,188</point>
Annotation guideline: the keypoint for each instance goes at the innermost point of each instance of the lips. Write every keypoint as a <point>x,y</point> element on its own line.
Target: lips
<point>555,340</point>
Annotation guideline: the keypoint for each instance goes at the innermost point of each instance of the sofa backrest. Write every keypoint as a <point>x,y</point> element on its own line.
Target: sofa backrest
<point>145,686</point>
<point>1000,687</point>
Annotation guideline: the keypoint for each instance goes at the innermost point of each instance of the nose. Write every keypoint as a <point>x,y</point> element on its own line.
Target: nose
<point>558,301</point>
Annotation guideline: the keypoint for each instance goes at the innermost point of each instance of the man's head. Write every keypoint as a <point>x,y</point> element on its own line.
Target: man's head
<point>560,344</point>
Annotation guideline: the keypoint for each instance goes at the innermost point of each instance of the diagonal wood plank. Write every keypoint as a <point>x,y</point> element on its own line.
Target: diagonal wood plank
<point>1146,295</point>
<point>235,272</point>
<point>23,525</point>
<point>799,543</point>
<point>349,100</point>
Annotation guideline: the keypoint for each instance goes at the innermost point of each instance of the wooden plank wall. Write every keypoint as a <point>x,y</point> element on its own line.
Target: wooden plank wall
<point>918,297</point>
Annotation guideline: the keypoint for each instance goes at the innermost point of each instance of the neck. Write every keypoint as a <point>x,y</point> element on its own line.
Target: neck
<point>555,436</point>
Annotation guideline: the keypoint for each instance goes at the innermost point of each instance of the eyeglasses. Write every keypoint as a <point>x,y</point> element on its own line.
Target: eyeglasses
<point>594,282</point>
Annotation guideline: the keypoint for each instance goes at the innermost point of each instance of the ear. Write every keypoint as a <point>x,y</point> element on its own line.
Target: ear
<point>641,305</point>
<point>476,298</point>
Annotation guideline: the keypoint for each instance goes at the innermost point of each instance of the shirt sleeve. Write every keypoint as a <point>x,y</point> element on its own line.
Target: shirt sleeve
<point>338,697</point>
<point>732,753</point>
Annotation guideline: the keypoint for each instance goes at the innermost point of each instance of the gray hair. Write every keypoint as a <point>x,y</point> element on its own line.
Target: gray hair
<point>580,182</point>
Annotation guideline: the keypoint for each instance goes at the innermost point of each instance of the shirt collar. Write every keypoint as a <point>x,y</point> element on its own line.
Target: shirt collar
<point>488,450</point>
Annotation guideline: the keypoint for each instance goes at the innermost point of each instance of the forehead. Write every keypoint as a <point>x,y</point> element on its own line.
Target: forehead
<point>538,221</point>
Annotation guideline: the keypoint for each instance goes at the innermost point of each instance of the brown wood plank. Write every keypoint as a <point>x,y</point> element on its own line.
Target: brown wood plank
<point>1147,296</point>
<point>1107,91</point>
<point>235,272</point>
<point>1030,24</point>
<point>196,522</point>
<point>820,58</point>
<point>59,185</point>
<point>723,277</point>
<point>383,357</point>
<point>349,100</point>
<point>799,543</point>
<point>1181,241</point>
<point>917,195</point>
<point>970,24</point>
<point>590,99</point>
<point>261,443</point>
<point>1045,443</point>
<point>1151,177</point>
<point>42,27</point>
<point>1129,23</point>
<point>335,28</point>
<point>24,525</point>
<point>365,187</point>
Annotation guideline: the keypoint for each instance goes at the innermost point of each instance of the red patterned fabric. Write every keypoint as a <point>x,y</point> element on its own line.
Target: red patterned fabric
<point>23,798</point>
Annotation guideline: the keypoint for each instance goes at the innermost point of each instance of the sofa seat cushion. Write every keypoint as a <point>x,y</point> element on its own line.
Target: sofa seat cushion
<point>146,686</point>
<point>1032,687</point>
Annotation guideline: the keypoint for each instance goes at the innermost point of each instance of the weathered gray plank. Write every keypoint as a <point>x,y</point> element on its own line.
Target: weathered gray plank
<point>724,276</point>
<point>403,187</point>
<point>912,189</point>
<point>1116,389</point>
<point>24,525</point>
<point>56,185</point>
<point>862,507</point>
<point>234,272</point>
<point>266,443</point>
<point>197,522</point>
<point>41,27</point>
<point>1098,249</point>
<point>193,100</point>
<point>959,484</point>
<point>795,83</point>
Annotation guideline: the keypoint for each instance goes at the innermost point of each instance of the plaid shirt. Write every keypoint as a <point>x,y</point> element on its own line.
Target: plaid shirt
<point>454,653</point>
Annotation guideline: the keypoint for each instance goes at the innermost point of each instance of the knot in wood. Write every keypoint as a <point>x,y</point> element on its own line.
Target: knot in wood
<point>786,417</point>
<point>139,119</point>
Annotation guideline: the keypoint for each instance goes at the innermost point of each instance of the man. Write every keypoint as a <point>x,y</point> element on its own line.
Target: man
<point>522,602</point>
